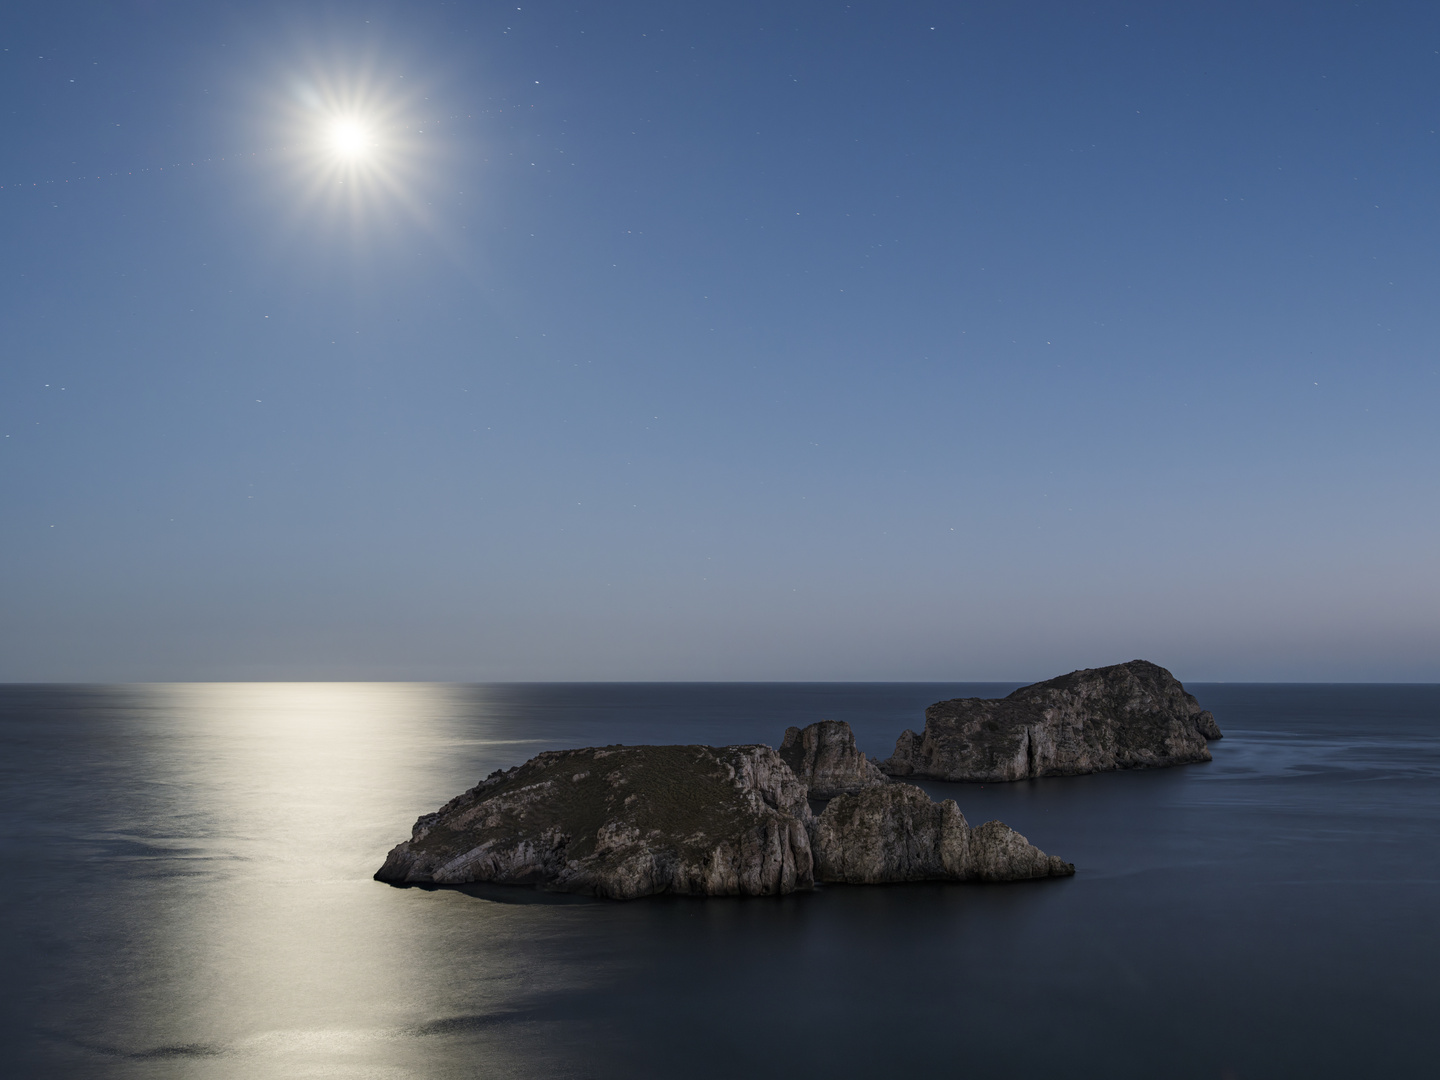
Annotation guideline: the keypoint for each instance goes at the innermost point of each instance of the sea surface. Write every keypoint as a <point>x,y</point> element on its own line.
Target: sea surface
<point>187,893</point>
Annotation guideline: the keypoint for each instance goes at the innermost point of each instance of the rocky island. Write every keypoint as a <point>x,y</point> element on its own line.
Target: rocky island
<point>628,821</point>
<point>1128,716</point>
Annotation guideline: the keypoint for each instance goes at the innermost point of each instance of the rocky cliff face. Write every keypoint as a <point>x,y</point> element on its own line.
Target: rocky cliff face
<point>1128,716</point>
<point>622,822</point>
<point>896,833</point>
<point>824,757</point>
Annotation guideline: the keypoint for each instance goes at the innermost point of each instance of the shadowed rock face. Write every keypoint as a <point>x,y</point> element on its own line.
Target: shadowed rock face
<point>824,757</point>
<point>1205,722</point>
<point>1128,716</point>
<point>896,833</point>
<point>622,822</point>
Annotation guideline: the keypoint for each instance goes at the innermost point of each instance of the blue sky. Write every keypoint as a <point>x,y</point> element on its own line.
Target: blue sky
<point>746,341</point>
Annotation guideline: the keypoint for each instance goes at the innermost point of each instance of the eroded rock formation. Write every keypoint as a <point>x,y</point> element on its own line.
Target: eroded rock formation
<point>630,821</point>
<point>1128,716</point>
<point>824,757</point>
<point>896,833</point>
<point>622,822</point>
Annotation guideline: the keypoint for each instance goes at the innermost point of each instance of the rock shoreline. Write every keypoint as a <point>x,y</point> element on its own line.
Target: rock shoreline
<point>623,822</point>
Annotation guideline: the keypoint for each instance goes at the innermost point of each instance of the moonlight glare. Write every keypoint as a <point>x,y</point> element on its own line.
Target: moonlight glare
<point>354,152</point>
<point>350,139</point>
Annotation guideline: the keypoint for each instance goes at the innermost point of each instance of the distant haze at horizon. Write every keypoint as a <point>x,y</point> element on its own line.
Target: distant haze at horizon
<point>772,342</point>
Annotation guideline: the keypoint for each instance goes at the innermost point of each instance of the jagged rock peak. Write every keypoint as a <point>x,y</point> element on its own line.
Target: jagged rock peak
<point>896,833</point>
<point>1127,716</point>
<point>622,822</point>
<point>824,757</point>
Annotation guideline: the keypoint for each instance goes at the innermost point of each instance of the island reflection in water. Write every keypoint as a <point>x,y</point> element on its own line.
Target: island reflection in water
<point>189,894</point>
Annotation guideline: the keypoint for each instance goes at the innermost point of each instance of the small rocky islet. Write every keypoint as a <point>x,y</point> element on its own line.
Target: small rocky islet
<point>1127,716</point>
<point>622,822</point>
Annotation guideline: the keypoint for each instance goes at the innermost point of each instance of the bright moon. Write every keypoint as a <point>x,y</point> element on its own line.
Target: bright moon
<point>349,145</point>
<point>349,139</point>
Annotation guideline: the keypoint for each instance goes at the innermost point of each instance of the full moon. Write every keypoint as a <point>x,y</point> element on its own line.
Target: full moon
<point>349,139</point>
<point>350,147</point>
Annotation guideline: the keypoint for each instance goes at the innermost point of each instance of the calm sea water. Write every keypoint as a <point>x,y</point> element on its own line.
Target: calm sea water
<point>187,893</point>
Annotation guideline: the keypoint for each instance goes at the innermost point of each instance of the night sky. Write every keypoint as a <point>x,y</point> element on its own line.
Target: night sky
<point>729,341</point>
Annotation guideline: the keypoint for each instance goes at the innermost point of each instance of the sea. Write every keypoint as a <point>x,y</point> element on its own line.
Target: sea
<point>187,892</point>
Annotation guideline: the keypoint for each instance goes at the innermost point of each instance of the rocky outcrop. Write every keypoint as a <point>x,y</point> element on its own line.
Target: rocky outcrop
<point>1128,716</point>
<point>622,822</point>
<point>824,757</point>
<point>896,833</point>
<point>1205,722</point>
